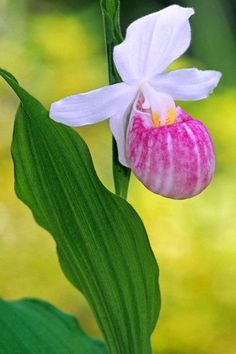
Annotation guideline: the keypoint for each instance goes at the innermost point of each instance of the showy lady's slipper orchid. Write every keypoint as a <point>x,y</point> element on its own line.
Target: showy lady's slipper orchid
<point>171,153</point>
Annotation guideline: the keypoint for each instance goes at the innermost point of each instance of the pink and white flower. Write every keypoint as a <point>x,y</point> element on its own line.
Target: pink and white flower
<point>171,153</point>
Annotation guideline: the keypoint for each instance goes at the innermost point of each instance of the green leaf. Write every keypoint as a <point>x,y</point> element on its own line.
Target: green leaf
<point>113,36</point>
<point>33,326</point>
<point>102,244</point>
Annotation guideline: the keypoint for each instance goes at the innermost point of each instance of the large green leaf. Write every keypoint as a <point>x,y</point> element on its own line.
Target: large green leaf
<point>102,244</point>
<point>33,326</point>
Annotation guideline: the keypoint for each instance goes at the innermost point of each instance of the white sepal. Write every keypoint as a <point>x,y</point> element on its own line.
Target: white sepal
<point>152,43</point>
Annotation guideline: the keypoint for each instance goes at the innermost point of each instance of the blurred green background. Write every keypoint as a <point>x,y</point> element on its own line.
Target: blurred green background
<point>55,48</point>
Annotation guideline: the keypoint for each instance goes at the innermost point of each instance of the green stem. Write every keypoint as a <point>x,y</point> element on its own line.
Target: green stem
<point>113,36</point>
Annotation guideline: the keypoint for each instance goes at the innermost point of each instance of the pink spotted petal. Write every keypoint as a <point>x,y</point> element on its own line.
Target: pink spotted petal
<point>176,161</point>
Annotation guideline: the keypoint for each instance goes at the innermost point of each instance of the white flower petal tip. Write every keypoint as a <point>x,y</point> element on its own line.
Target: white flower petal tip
<point>214,79</point>
<point>175,161</point>
<point>92,107</point>
<point>153,42</point>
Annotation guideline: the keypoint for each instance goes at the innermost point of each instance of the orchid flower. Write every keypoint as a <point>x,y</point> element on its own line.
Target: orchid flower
<point>169,152</point>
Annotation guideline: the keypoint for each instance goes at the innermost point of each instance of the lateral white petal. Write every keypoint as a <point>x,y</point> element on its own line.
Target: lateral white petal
<point>153,42</point>
<point>187,84</point>
<point>93,106</point>
<point>118,126</point>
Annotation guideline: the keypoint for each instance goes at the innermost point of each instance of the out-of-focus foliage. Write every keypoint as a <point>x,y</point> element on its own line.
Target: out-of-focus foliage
<point>32,326</point>
<point>61,48</point>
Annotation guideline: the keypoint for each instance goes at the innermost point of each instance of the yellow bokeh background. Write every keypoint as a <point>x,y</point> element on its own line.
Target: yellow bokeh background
<point>58,53</point>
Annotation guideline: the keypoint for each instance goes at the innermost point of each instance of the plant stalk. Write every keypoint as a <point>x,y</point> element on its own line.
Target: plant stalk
<point>113,36</point>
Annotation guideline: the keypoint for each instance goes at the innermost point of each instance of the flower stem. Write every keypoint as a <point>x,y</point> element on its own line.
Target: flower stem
<point>113,36</point>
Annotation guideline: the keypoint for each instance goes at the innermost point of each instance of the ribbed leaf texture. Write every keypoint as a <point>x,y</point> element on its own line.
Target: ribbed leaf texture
<point>33,326</point>
<point>102,244</point>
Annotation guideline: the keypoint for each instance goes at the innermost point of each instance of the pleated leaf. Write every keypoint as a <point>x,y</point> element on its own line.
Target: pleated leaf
<point>102,244</point>
<point>33,326</point>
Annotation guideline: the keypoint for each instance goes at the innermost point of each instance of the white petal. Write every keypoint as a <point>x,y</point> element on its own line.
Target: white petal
<point>93,106</point>
<point>153,42</point>
<point>187,84</point>
<point>118,126</point>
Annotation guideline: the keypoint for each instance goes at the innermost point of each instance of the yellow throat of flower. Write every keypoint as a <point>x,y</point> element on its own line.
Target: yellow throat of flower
<point>169,118</point>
